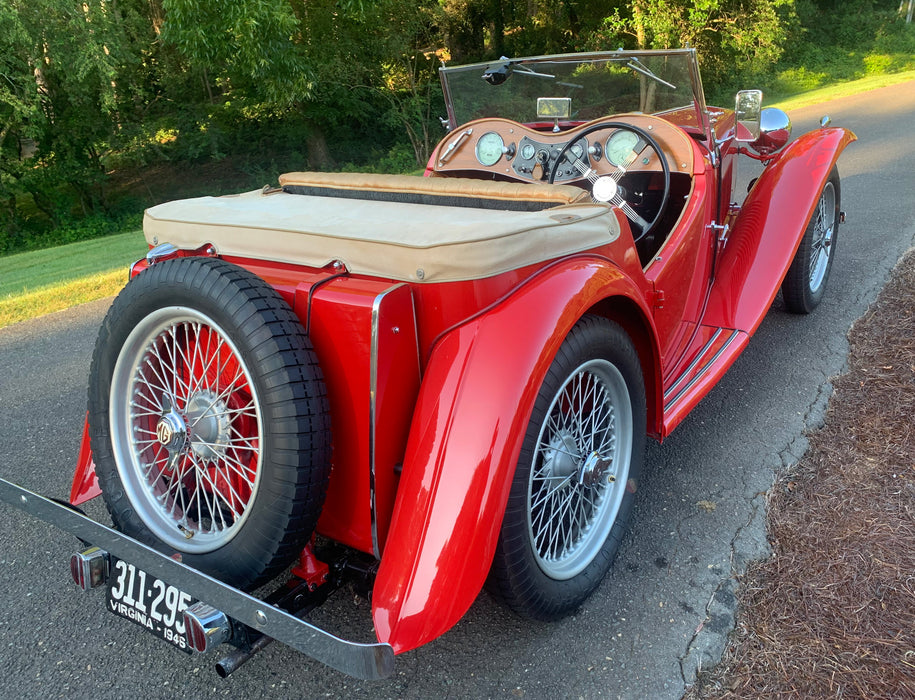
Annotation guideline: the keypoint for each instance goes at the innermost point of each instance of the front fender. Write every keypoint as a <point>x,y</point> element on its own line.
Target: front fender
<point>474,404</point>
<point>768,230</point>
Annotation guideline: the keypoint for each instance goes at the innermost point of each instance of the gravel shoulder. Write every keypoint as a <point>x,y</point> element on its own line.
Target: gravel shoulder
<point>832,612</point>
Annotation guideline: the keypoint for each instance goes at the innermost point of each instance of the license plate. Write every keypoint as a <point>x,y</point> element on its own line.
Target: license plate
<point>149,602</point>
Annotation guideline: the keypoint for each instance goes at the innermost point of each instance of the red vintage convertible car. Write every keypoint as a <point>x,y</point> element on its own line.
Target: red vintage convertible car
<point>423,385</point>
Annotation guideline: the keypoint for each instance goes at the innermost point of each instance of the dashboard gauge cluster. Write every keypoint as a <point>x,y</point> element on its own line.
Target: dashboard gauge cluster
<point>533,153</point>
<point>512,150</point>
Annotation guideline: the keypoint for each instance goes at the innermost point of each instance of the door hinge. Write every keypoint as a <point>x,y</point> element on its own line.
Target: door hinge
<point>658,298</point>
<point>720,231</point>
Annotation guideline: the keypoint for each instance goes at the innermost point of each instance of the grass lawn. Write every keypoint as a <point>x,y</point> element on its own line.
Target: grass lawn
<point>42,281</point>
<point>830,92</point>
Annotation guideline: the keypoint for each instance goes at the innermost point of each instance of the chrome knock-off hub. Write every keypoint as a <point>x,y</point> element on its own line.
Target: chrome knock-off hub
<point>594,469</point>
<point>171,431</point>
<point>208,419</point>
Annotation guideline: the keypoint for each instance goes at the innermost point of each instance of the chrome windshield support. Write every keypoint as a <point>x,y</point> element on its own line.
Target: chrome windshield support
<point>365,661</point>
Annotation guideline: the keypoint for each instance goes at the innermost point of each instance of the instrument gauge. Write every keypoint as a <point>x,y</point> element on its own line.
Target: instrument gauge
<point>622,147</point>
<point>527,151</point>
<point>489,148</point>
<point>577,150</point>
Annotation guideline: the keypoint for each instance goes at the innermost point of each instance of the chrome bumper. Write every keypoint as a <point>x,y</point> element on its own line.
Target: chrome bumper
<point>364,661</point>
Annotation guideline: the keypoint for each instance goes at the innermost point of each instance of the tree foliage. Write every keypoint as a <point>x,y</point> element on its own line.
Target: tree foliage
<point>96,86</point>
<point>726,33</point>
<point>69,82</point>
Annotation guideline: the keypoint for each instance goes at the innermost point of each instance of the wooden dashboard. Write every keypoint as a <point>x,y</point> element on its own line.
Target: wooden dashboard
<point>512,151</point>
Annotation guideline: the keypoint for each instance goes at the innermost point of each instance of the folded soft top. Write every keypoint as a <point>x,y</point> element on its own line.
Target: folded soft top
<point>399,227</point>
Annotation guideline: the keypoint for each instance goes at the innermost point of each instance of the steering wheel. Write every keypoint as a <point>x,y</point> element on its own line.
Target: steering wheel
<point>605,188</point>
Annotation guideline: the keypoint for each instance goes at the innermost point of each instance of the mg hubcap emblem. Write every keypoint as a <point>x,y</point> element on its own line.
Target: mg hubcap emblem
<point>171,431</point>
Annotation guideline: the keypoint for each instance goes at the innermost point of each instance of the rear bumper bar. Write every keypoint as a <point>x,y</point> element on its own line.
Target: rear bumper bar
<point>364,661</point>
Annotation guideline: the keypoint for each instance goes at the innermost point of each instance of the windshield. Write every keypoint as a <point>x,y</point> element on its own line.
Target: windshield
<point>597,85</point>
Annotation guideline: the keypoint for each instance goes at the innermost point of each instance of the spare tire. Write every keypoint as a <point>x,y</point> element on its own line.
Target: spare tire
<point>208,419</point>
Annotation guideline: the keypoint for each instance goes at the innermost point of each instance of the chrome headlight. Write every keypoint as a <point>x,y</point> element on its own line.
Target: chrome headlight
<point>774,131</point>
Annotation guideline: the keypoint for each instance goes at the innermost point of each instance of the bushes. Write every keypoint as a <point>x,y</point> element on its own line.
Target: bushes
<point>21,239</point>
<point>845,41</point>
<point>829,42</point>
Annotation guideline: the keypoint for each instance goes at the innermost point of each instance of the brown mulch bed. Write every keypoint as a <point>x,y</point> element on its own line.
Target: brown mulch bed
<point>832,612</point>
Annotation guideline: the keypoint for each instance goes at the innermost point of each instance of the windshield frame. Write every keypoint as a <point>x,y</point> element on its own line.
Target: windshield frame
<point>698,106</point>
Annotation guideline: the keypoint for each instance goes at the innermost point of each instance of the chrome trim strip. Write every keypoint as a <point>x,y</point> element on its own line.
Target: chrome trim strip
<point>696,361</point>
<point>669,405</point>
<point>365,661</point>
<point>373,391</point>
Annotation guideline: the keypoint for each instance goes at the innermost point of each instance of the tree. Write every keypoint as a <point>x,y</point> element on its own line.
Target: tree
<point>326,61</point>
<point>726,33</point>
<point>63,85</point>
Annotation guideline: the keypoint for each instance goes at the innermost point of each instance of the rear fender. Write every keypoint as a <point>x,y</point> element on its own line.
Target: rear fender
<point>767,232</point>
<point>474,404</point>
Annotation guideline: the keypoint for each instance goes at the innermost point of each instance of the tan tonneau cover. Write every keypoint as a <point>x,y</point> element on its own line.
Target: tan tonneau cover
<point>403,241</point>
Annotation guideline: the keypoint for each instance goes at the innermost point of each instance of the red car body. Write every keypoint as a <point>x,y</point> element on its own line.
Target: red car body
<point>431,384</point>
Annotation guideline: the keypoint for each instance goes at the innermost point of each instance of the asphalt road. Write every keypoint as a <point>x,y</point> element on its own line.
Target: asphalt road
<point>662,613</point>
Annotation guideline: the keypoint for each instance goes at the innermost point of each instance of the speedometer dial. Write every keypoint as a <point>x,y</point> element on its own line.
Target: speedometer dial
<point>622,147</point>
<point>489,148</point>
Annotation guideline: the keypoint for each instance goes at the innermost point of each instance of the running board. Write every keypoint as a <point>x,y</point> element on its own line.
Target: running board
<point>364,661</point>
<point>717,349</point>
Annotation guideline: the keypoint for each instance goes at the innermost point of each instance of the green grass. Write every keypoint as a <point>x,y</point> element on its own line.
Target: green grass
<point>28,272</point>
<point>852,87</point>
<point>40,282</point>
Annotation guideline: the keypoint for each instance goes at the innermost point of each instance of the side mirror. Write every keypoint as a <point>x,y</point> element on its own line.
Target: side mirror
<point>748,111</point>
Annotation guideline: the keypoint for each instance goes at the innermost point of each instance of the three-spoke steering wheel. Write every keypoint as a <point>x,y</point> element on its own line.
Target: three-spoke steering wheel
<point>605,188</point>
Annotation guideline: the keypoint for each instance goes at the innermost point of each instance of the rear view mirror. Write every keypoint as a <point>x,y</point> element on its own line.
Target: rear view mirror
<point>747,111</point>
<point>554,107</point>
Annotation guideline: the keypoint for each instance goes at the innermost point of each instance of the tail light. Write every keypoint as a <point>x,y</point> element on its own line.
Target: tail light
<point>89,568</point>
<point>205,627</point>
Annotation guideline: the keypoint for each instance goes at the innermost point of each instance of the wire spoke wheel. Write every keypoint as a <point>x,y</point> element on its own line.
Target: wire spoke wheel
<point>576,475</point>
<point>580,468</point>
<point>805,282</point>
<point>186,429</point>
<point>208,419</point>
<point>823,227</point>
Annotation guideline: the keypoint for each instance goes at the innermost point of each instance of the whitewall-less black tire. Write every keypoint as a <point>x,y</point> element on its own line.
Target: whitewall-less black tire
<point>576,475</point>
<point>805,283</point>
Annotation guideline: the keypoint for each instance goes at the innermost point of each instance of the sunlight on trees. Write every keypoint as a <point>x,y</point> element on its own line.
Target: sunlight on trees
<point>95,89</point>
